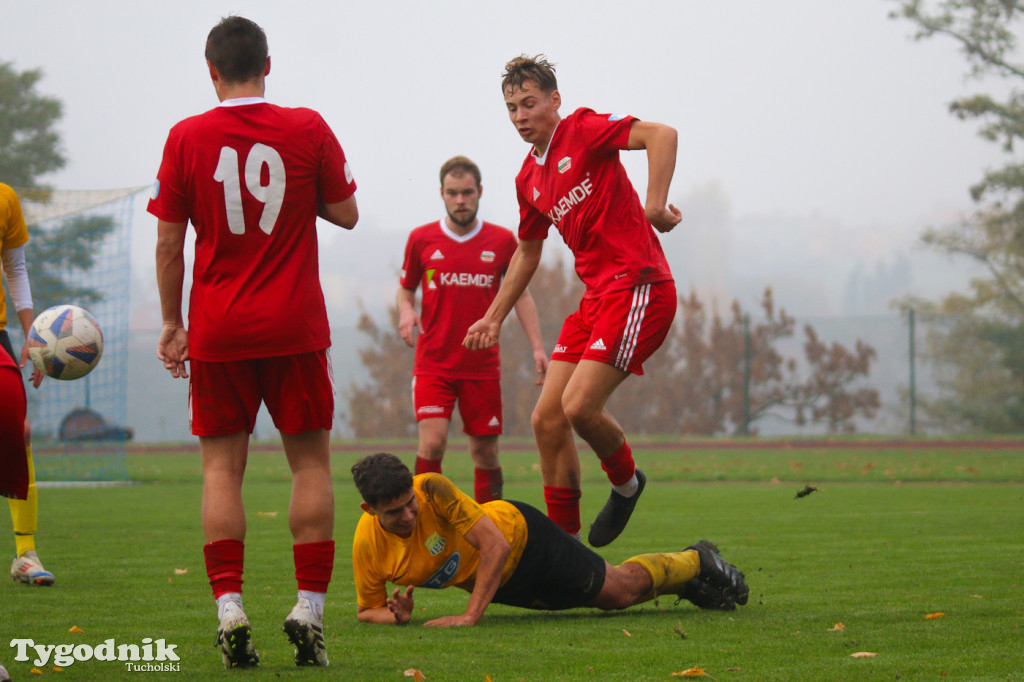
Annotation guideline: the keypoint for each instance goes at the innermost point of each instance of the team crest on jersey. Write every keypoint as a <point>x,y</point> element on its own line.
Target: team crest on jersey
<point>430,279</point>
<point>487,256</point>
<point>437,255</point>
<point>535,194</point>
<point>565,164</point>
<point>434,544</point>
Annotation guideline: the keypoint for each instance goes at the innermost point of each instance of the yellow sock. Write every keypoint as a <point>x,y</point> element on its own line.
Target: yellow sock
<point>25,513</point>
<point>669,571</point>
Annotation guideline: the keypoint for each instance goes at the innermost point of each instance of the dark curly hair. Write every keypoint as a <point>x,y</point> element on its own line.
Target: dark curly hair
<point>381,477</point>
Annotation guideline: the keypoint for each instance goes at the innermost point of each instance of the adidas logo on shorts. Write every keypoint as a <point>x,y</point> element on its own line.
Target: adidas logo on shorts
<point>598,345</point>
<point>494,422</point>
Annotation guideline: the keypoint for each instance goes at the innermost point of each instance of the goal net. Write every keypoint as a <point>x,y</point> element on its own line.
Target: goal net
<point>79,253</point>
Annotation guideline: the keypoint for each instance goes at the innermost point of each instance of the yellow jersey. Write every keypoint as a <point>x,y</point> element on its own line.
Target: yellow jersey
<point>437,554</point>
<point>13,233</point>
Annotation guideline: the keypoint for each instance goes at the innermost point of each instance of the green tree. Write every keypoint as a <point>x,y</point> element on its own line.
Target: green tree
<point>29,144</point>
<point>30,148</point>
<point>976,338</point>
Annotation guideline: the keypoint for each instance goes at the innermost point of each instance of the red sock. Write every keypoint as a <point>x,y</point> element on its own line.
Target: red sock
<point>619,465</point>
<point>314,562</point>
<point>224,560</point>
<point>427,466</point>
<point>564,507</point>
<point>487,484</point>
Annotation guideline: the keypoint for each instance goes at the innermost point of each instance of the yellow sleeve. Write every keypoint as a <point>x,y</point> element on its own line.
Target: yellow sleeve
<point>13,231</point>
<point>371,587</point>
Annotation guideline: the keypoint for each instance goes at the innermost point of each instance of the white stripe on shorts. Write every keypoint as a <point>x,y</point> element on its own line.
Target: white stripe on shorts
<point>641,296</point>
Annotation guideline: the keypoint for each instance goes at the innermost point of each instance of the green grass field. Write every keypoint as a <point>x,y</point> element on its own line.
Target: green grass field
<point>889,537</point>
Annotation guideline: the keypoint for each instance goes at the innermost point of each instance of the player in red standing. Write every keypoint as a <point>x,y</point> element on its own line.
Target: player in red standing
<point>252,178</point>
<point>573,178</point>
<point>459,261</point>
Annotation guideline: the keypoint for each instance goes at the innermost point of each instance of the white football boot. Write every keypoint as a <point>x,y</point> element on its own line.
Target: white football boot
<point>29,570</point>
<point>306,631</point>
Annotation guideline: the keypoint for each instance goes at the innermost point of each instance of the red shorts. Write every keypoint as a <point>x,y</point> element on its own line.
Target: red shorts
<point>224,397</point>
<point>479,402</point>
<point>621,328</point>
<point>13,457</point>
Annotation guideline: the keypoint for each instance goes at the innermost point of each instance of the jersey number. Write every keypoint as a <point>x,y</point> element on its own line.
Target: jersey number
<point>271,195</point>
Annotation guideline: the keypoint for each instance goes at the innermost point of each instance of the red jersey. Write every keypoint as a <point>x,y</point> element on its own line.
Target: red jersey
<point>460,277</point>
<point>250,177</point>
<point>581,188</point>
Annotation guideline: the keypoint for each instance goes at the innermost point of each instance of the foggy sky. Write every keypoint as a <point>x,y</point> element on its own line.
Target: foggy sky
<point>790,108</point>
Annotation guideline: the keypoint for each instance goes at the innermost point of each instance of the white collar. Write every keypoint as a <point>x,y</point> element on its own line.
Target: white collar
<point>242,101</point>
<point>544,157</point>
<point>462,237</point>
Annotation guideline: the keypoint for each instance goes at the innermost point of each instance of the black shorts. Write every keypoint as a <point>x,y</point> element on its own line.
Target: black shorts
<point>5,342</point>
<point>556,571</point>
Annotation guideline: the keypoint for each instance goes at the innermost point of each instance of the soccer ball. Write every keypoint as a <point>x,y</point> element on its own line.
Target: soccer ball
<point>65,342</point>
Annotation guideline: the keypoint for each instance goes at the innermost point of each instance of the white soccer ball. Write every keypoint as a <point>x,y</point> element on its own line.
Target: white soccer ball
<point>65,342</point>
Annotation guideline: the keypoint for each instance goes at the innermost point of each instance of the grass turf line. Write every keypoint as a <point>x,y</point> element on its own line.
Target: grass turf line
<point>876,556</point>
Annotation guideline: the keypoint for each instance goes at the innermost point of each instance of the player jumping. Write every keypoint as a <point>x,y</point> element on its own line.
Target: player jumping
<point>573,178</point>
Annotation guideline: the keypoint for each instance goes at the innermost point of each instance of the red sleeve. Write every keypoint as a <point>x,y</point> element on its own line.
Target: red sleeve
<point>336,181</point>
<point>532,223</point>
<point>168,201</point>
<point>412,270</point>
<point>609,132</point>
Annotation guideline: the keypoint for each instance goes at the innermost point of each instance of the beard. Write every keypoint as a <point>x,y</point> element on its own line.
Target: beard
<point>465,220</point>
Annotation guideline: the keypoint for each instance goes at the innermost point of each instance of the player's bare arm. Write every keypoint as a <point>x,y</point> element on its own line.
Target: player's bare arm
<point>397,612</point>
<point>172,347</point>
<point>526,312</point>
<point>342,213</point>
<point>409,323</point>
<point>660,141</point>
<point>484,332</point>
<point>494,550</point>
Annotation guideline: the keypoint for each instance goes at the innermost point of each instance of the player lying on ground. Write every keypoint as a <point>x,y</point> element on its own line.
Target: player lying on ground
<point>422,531</point>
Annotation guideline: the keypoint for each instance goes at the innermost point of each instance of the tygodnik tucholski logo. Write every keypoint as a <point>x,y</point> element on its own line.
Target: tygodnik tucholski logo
<point>151,655</point>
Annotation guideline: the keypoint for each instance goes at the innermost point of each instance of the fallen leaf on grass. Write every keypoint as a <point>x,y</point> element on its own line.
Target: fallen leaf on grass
<point>180,571</point>
<point>487,678</point>
<point>975,596</point>
<point>268,514</point>
<point>933,616</point>
<point>692,672</point>
<point>838,627</point>
<point>626,633</point>
<point>863,654</point>
<point>75,628</point>
<point>415,674</point>
<point>734,670</point>
<point>36,671</point>
<point>58,670</point>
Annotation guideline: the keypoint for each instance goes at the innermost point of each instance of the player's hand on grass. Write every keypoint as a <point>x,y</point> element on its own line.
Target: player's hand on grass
<point>408,325</point>
<point>172,350</point>
<point>664,218</point>
<point>482,334</point>
<point>37,374</point>
<point>540,360</point>
<point>401,605</point>
<point>451,621</point>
